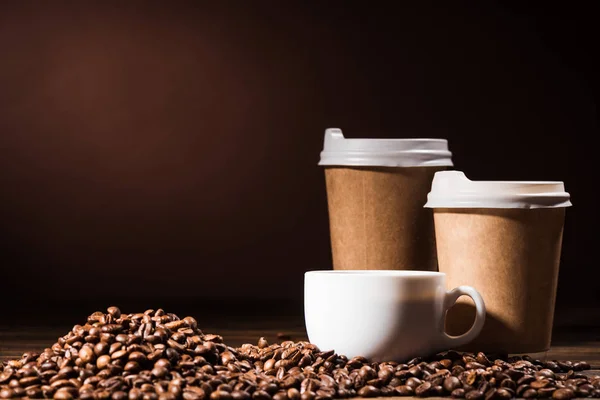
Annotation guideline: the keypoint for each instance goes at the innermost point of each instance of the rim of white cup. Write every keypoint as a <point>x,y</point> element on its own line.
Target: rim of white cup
<point>367,272</point>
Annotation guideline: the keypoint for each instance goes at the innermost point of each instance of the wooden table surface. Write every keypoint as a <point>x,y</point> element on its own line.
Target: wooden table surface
<point>578,344</point>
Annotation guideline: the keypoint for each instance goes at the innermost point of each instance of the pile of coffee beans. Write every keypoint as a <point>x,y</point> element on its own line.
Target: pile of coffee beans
<point>157,355</point>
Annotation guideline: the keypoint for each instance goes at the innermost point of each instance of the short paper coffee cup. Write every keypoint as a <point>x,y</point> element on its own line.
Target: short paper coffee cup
<point>504,238</point>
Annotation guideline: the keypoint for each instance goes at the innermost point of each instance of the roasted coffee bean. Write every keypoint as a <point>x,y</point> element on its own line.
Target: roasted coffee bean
<point>262,395</point>
<point>585,390</point>
<point>458,393</point>
<point>405,390</point>
<point>525,380</point>
<point>546,392</point>
<point>262,343</point>
<point>415,361</point>
<point>6,376</point>
<point>368,391</point>
<point>87,354</point>
<point>270,388</point>
<point>119,395</point>
<point>138,357</point>
<point>413,382</point>
<point>438,377</point>
<point>290,382</point>
<point>552,365</point>
<point>565,365</point>
<point>279,373</point>
<point>101,348</point>
<point>484,386</point>
<point>160,372</point>
<point>135,394</point>
<point>563,394</point>
<point>423,389</point>
<point>538,384</point>
<point>468,357</point>
<point>269,364</point>
<point>437,390</point>
<point>292,394</point>
<point>120,354</point>
<point>508,384</point>
<point>132,367</point>
<point>19,392</point>
<point>385,374</point>
<point>114,312</point>
<point>162,363</point>
<point>34,392</point>
<point>474,395</point>
<point>220,395</point>
<point>378,383</point>
<point>433,366</point>
<point>367,373</point>
<point>395,382</point>
<point>240,395</point>
<point>583,365</point>
<point>224,388</point>
<point>474,365</point>
<point>451,383</point>
<point>29,381</point>
<point>280,396</point>
<point>416,371</point>
<point>545,373</point>
<point>482,359</point>
<point>515,374</point>
<point>468,377</point>
<point>498,394</point>
<point>403,374</point>
<point>103,361</point>
<point>577,366</point>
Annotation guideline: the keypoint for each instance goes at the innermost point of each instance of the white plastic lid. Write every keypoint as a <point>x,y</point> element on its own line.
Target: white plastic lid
<point>452,189</point>
<point>338,150</point>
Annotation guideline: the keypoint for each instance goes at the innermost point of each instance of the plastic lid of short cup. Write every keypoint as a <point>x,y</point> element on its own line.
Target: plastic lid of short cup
<point>338,150</point>
<point>452,189</point>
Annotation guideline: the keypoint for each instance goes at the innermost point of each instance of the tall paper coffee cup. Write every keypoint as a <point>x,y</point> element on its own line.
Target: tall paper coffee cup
<point>504,239</point>
<point>376,189</point>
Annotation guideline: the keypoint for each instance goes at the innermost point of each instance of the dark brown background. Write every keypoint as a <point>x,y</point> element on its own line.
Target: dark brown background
<point>170,150</point>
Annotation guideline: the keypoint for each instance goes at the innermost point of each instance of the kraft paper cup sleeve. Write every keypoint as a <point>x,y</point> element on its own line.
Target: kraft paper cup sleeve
<point>511,256</point>
<point>376,189</point>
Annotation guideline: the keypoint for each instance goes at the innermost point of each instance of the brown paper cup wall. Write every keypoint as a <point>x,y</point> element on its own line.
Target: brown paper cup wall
<point>504,238</point>
<point>512,257</point>
<point>376,189</point>
<point>377,219</point>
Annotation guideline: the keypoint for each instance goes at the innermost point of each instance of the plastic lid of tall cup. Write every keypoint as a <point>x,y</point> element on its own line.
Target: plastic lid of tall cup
<point>452,189</point>
<point>337,150</point>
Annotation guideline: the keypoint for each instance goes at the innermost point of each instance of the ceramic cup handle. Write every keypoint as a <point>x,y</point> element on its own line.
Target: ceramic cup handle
<point>450,299</point>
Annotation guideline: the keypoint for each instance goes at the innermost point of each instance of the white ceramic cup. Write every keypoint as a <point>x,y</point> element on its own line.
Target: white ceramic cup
<point>383,315</point>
